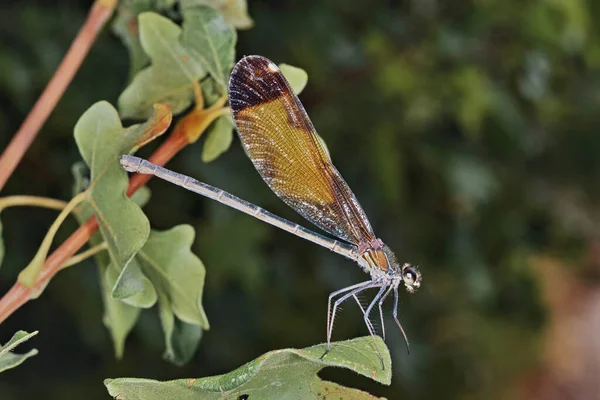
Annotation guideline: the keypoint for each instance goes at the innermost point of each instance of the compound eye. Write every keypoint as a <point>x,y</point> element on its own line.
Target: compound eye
<point>410,275</point>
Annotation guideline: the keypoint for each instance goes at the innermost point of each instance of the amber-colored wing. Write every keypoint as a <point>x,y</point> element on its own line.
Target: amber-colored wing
<point>282,143</point>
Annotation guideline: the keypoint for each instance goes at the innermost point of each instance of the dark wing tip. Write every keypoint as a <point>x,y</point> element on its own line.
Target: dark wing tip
<point>255,80</point>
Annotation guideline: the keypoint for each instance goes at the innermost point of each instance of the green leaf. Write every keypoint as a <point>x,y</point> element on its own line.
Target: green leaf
<point>168,80</point>
<point>297,77</point>
<point>181,338</point>
<point>279,374</point>
<point>212,39</point>
<point>235,12</point>
<point>101,139</point>
<point>81,182</point>
<point>119,318</point>
<point>8,359</point>
<point>125,26</point>
<point>220,136</point>
<point>176,272</point>
<point>165,269</point>
<point>80,172</point>
<point>131,285</point>
<point>178,277</point>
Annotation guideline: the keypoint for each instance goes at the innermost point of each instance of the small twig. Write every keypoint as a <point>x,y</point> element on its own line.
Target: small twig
<point>29,275</point>
<point>92,251</point>
<point>34,201</point>
<point>99,14</point>
<point>181,136</point>
<point>20,294</point>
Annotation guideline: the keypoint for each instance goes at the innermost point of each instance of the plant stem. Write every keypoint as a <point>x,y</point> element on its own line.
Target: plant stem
<point>97,17</point>
<point>92,251</point>
<point>19,294</point>
<point>30,273</point>
<point>35,201</point>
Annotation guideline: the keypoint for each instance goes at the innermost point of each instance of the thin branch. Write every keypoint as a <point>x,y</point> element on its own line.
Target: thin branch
<point>182,135</point>
<point>30,273</point>
<point>97,17</point>
<point>92,251</point>
<point>19,294</point>
<point>34,201</point>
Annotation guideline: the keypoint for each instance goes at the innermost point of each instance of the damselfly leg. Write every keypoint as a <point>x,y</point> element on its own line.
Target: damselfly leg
<point>395,315</point>
<point>381,311</point>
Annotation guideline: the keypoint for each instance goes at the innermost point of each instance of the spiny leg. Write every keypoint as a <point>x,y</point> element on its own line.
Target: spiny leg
<point>335,307</point>
<point>367,322</point>
<point>362,309</point>
<point>352,291</point>
<point>381,311</point>
<point>370,327</point>
<point>332,295</point>
<point>395,314</point>
<point>339,301</point>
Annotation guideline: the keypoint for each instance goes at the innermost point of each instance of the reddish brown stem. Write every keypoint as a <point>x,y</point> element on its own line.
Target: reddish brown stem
<point>161,156</point>
<point>97,17</point>
<point>20,294</point>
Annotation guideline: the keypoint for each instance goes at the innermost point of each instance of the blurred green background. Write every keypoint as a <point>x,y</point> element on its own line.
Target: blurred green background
<point>467,130</point>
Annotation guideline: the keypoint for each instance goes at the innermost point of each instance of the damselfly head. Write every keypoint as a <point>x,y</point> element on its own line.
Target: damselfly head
<point>411,278</point>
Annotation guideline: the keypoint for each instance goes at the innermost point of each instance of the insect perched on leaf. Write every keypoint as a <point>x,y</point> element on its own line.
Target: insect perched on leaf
<point>290,156</point>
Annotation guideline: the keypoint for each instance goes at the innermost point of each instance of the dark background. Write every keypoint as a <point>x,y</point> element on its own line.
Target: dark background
<point>468,131</point>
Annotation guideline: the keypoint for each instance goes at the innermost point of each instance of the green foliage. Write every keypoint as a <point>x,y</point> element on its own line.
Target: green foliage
<point>169,79</point>
<point>119,317</point>
<point>278,374</point>
<point>211,39</point>
<point>8,359</point>
<point>125,227</point>
<point>100,138</point>
<point>178,276</point>
<point>143,267</point>
<point>296,76</point>
<point>180,56</point>
<point>218,140</point>
<point>235,12</point>
<point>125,26</point>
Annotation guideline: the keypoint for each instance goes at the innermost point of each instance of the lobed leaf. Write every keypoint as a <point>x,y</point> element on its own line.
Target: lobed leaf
<point>8,359</point>
<point>211,39</point>
<point>119,318</point>
<point>176,277</point>
<point>279,374</point>
<point>235,12</point>
<point>101,140</point>
<point>176,271</point>
<point>123,225</point>
<point>125,26</point>
<point>168,79</point>
<point>179,56</point>
<point>131,285</point>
